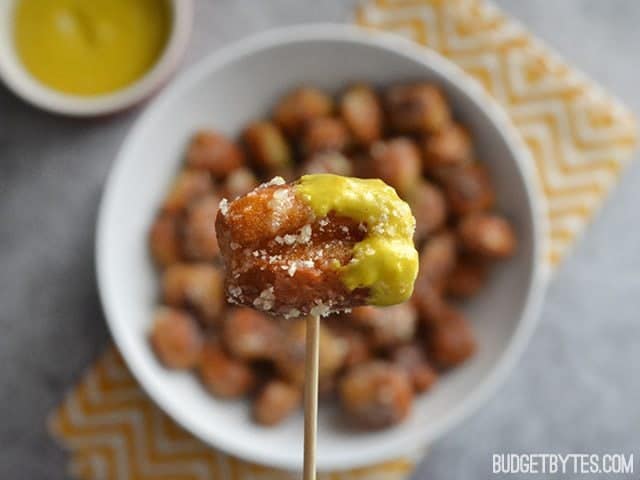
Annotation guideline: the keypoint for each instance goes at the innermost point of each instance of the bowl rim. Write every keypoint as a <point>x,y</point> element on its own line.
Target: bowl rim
<point>538,276</point>
<point>23,84</point>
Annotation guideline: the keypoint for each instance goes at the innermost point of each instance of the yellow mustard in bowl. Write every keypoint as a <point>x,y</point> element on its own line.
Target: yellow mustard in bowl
<point>90,47</point>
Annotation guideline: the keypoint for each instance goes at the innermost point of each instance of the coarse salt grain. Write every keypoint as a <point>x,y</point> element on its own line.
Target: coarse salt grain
<point>273,182</point>
<point>293,313</point>
<point>265,300</point>
<point>280,203</point>
<point>320,310</point>
<point>224,206</point>
<point>305,234</point>
<point>235,291</point>
<point>292,269</point>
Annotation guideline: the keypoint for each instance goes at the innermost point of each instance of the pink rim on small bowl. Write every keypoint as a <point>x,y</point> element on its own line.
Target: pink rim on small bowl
<point>22,83</point>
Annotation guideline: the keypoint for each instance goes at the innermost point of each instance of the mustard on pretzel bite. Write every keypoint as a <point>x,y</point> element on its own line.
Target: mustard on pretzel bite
<point>322,244</point>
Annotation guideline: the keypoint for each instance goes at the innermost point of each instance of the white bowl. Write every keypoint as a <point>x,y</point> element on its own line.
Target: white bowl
<point>23,84</point>
<point>225,91</point>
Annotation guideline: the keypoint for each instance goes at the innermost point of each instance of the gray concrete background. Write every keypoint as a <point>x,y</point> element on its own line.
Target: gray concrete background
<point>577,388</point>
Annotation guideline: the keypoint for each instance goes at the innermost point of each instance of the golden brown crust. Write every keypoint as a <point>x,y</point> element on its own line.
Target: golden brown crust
<point>276,401</point>
<point>196,286</point>
<point>388,326</point>
<point>223,375</point>
<point>325,134</point>
<point>299,107</point>
<point>290,355</point>
<point>450,339</point>
<point>467,278</point>
<point>362,112</point>
<point>487,234</point>
<point>269,149</point>
<point>281,259</point>
<point>164,240</point>
<point>450,147</point>
<point>412,360</point>
<point>396,162</point>
<point>376,394</point>
<point>250,335</point>
<point>327,162</point>
<point>176,338</point>
<point>417,108</point>
<point>213,152</point>
<point>199,237</point>
<point>468,189</point>
<point>188,185</point>
<point>430,209</point>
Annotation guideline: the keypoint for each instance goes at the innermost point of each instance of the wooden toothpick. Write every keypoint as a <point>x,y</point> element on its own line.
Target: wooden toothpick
<point>311,397</point>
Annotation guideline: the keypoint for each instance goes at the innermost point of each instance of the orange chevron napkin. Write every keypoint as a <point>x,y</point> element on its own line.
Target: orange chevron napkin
<point>579,136</point>
<point>580,139</point>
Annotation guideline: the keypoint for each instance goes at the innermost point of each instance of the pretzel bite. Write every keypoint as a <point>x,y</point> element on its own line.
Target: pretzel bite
<point>269,149</point>
<point>239,182</point>
<point>164,241</point>
<point>189,185</point>
<point>417,108</point>
<point>299,107</point>
<point>467,278</point>
<point>213,152</point>
<point>290,357</point>
<point>427,300</point>
<point>199,237</point>
<point>358,349</point>
<point>324,134</point>
<point>387,326</point>
<point>413,361</point>
<point>468,189</point>
<point>437,260</point>
<point>195,286</point>
<point>276,401</point>
<point>487,234</point>
<point>223,375</point>
<point>328,162</point>
<point>325,243</point>
<point>438,257</point>
<point>430,209</point>
<point>362,112</point>
<point>396,162</point>
<point>450,147</point>
<point>250,335</point>
<point>375,395</point>
<point>450,339</point>
<point>176,338</point>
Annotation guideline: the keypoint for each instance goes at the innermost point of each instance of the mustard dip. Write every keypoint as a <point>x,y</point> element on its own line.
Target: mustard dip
<point>90,47</point>
<point>386,261</point>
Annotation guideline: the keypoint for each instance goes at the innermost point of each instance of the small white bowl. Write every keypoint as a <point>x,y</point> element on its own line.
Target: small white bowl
<point>23,84</point>
<point>225,91</point>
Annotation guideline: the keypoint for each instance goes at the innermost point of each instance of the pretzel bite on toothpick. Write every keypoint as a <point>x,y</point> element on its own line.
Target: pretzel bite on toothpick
<point>319,245</point>
<point>322,244</point>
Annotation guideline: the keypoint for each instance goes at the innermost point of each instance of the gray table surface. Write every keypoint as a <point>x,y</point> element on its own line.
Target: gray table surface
<point>576,389</point>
